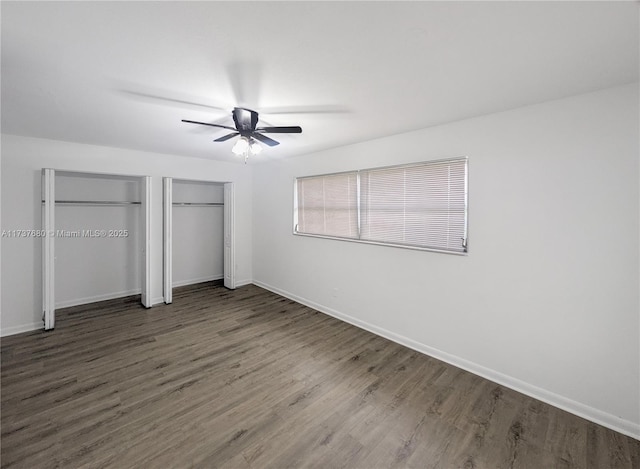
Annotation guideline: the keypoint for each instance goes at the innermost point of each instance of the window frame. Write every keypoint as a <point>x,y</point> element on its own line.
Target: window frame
<point>465,250</point>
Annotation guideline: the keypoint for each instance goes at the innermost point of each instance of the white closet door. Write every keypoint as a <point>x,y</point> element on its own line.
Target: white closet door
<point>145,199</point>
<point>167,240</point>
<point>229,232</point>
<point>48,248</point>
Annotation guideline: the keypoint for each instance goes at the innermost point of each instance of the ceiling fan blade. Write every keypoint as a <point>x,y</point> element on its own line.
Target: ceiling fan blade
<point>281,130</point>
<point>157,98</point>
<point>264,139</point>
<point>206,123</point>
<point>224,138</point>
<point>317,109</point>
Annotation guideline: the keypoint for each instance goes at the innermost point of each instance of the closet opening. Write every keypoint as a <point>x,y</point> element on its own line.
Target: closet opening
<point>197,234</point>
<point>97,239</point>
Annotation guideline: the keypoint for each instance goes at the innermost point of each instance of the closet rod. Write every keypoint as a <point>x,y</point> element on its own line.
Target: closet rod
<point>198,204</point>
<point>93,202</point>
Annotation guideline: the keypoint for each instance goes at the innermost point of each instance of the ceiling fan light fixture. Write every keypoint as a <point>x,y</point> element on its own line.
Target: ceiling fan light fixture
<point>255,148</point>
<point>241,146</point>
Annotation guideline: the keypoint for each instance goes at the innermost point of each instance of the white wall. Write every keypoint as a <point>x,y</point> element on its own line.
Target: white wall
<point>198,233</point>
<point>22,160</point>
<point>547,299</point>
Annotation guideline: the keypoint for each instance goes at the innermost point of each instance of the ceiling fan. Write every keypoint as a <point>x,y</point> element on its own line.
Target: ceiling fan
<point>246,121</point>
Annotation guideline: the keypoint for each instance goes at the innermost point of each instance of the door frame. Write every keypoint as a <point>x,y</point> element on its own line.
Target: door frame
<point>229,236</point>
<point>48,248</point>
<point>167,237</point>
<point>146,195</point>
<point>49,231</point>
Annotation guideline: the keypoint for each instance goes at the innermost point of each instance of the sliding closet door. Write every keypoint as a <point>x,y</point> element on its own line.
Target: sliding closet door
<point>229,232</point>
<point>145,202</point>
<point>167,227</point>
<point>48,248</point>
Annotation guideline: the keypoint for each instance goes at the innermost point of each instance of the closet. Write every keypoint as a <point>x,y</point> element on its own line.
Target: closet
<point>97,237</point>
<point>197,233</point>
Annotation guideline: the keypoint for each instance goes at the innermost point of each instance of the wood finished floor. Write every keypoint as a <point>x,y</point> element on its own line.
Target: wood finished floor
<point>249,379</point>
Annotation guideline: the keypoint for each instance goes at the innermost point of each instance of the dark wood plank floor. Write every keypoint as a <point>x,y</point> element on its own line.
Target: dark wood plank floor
<point>248,379</point>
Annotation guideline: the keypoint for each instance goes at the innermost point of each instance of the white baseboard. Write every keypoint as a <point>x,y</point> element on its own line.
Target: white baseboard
<point>157,300</point>
<point>182,283</point>
<point>242,283</point>
<point>95,299</point>
<point>605,419</point>
<point>34,326</point>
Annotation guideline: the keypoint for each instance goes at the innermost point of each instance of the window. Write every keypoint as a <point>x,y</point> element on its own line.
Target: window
<point>420,206</point>
<point>328,205</point>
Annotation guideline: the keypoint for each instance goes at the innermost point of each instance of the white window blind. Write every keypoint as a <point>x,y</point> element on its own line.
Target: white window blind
<point>423,205</point>
<point>328,205</point>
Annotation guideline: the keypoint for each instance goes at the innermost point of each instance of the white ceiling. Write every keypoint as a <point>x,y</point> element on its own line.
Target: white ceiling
<point>123,73</point>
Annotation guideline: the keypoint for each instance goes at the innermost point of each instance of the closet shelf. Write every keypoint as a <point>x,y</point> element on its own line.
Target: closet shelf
<point>198,204</point>
<point>93,202</point>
